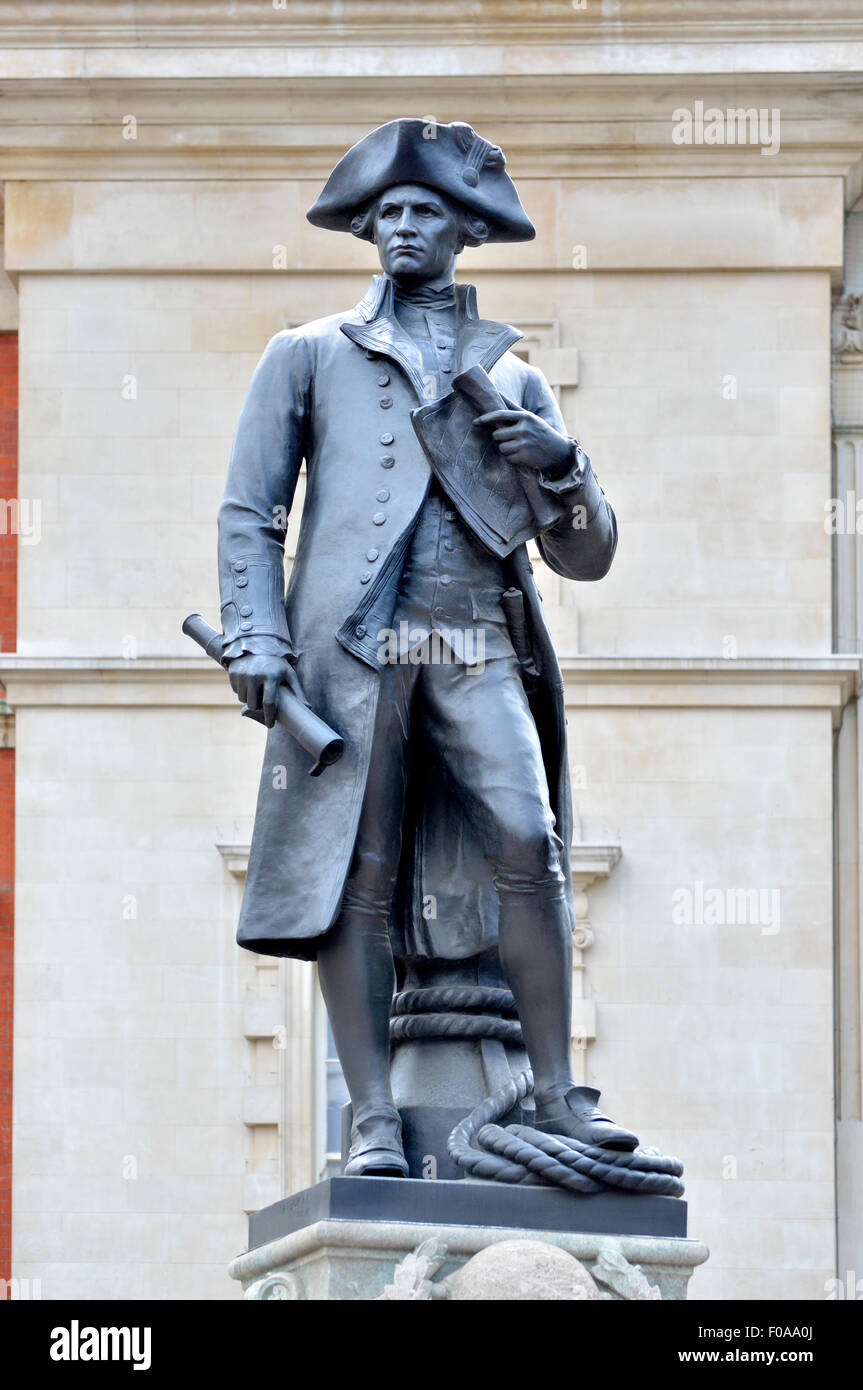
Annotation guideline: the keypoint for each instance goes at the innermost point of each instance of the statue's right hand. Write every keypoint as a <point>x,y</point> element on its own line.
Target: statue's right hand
<point>255,681</point>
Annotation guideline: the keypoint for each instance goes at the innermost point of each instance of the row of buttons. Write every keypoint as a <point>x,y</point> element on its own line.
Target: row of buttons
<point>449,348</point>
<point>383,494</point>
<point>386,461</point>
<point>445,579</point>
<point>241,580</point>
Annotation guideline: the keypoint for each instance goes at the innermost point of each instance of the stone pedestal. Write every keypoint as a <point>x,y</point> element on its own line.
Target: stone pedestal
<point>371,1238</point>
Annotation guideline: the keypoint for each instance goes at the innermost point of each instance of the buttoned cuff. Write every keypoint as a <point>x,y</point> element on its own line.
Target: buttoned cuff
<point>253,614</point>
<point>579,484</point>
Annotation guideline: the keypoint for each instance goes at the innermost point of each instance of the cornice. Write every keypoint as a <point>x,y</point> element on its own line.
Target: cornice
<point>236,856</point>
<point>231,26</point>
<point>826,683</point>
<point>592,859</point>
<point>265,126</point>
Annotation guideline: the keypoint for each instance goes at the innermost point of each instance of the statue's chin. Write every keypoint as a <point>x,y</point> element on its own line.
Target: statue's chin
<point>405,273</point>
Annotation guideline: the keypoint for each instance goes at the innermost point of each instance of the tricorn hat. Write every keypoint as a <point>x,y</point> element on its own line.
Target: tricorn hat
<point>451,158</point>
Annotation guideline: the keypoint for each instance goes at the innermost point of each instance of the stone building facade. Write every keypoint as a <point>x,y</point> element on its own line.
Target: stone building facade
<point>693,266</point>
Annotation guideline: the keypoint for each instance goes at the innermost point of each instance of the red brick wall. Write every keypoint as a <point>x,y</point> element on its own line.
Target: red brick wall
<point>8,488</point>
<point>8,639</point>
<point>7,921</point>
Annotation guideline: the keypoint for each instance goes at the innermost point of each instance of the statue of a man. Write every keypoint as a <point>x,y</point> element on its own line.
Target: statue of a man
<point>413,626</point>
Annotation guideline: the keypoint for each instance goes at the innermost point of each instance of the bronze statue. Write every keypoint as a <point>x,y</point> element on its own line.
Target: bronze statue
<point>413,627</point>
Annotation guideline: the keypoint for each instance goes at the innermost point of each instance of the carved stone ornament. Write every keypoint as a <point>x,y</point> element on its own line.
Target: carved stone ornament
<point>520,1270</point>
<point>847,328</point>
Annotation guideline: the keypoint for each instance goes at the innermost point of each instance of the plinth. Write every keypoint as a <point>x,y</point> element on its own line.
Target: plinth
<point>345,1239</point>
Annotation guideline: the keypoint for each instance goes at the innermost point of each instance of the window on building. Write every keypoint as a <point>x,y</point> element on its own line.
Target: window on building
<point>332,1095</point>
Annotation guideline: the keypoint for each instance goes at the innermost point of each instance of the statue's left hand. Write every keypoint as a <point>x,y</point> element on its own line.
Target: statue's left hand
<point>528,442</point>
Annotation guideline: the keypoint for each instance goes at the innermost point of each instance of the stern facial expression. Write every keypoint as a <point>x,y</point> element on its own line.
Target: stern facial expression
<point>417,234</point>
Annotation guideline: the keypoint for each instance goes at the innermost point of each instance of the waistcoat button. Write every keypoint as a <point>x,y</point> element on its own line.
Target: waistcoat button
<point>387,438</point>
<point>383,494</point>
<point>379,518</point>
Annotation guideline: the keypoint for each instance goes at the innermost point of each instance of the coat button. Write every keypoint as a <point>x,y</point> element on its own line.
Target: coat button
<point>241,581</point>
<point>240,565</point>
<point>387,461</point>
<point>387,438</point>
<point>383,379</point>
<point>383,494</point>
<point>386,402</point>
<point>246,610</point>
<point>372,554</point>
<point>361,630</point>
<point>365,576</point>
<point>379,518</point>
<point>449,515</point>
<point>448,545</point>
<point>446,579</point>
<point>245,627</point>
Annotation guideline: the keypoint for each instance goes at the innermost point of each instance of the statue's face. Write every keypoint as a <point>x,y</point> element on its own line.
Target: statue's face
<point>416,233</point>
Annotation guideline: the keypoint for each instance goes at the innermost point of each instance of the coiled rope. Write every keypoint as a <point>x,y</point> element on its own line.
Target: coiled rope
<point>518,1153</point>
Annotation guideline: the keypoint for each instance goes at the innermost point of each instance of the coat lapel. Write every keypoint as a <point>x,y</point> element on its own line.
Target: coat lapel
<point>481,341</point>
<point>387,337</point>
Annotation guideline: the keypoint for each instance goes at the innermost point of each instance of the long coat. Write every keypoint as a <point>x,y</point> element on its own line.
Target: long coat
<point>339,392</point>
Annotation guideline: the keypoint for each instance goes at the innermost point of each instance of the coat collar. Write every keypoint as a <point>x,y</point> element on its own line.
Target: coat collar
<point>481,341</point>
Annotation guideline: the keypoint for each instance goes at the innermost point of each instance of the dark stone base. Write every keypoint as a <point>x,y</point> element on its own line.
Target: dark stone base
<point>469,1203</point>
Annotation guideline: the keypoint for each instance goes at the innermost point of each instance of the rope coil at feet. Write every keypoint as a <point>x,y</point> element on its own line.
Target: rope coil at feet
<point>518,1153</point>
